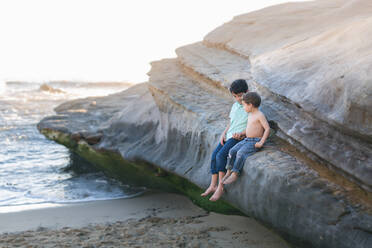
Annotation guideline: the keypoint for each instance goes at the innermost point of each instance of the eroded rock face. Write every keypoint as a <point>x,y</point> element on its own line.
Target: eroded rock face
<point>316,56</point>
<point>312,182</point>
<point>306,205</point>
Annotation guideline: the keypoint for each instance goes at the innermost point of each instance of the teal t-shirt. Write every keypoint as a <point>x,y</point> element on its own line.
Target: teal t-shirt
<point>238,120</point>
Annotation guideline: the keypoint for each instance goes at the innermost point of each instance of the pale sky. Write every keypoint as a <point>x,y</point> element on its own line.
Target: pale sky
<point>106,40</point>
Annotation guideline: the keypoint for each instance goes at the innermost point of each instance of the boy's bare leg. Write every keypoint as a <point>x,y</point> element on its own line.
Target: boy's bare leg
<point>231,178</point>
<point>221,175</point>
<point>219,192</point>
<point>212,187</point>
<point>228,173</point>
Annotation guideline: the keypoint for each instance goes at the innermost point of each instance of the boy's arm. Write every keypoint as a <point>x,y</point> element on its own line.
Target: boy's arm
<point>222,139</point>
<point>266,127</point>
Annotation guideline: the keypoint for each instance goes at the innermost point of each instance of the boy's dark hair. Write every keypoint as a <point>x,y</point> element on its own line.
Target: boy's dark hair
<point>253,98</point>
<point>239,86</point>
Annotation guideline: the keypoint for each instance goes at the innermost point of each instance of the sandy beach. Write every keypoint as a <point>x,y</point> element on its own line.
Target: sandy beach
<point>152,220</point>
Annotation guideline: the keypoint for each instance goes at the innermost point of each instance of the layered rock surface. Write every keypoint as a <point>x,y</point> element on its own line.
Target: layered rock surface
<point>315,55</point>
<point>310,63</point>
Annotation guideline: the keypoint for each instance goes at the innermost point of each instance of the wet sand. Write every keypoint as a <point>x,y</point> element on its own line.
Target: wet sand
<point>152,220</point>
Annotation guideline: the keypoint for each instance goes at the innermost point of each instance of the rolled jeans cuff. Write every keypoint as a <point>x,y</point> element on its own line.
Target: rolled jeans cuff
<point>236,171</point>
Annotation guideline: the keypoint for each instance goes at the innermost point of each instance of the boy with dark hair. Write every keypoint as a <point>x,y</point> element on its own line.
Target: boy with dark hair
<point>256,132</point>
<point>233,133</point>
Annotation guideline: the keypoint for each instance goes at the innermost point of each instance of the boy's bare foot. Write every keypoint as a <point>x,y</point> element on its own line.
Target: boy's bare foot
<point>210,189</point>
<point>231,178</point>
<point>228,173</point>
<point>217,195</point>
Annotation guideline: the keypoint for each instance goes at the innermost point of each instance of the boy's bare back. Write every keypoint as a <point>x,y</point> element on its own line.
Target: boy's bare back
<point>256,125</point>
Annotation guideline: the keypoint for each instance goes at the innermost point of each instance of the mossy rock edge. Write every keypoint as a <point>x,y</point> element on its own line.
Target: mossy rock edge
<point>139,172</point>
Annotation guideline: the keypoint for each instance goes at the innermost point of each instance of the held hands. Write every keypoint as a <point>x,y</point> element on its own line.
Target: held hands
<point>238,136</point>
<point>258,145</point>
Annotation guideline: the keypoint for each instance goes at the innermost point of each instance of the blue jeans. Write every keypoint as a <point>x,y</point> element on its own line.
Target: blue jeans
<point>239,153</point>
<point>219,156</point>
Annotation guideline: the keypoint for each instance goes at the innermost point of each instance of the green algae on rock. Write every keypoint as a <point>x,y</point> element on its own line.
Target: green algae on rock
<point>139,172</point>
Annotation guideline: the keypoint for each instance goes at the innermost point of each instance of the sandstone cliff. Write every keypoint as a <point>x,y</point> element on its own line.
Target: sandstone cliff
<point>311,62</point>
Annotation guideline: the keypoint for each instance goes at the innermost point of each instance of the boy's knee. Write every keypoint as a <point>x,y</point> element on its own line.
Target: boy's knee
<point>213,159</point>
<point>232,152</point>
<point>240,154</point>
<point>214,154</point>
<point>221,155</point>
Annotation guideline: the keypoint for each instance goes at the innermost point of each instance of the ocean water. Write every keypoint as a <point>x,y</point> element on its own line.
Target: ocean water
<point>36,172</point>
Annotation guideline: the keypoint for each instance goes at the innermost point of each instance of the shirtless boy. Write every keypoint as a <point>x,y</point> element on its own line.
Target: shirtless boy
<point>257,131</point>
